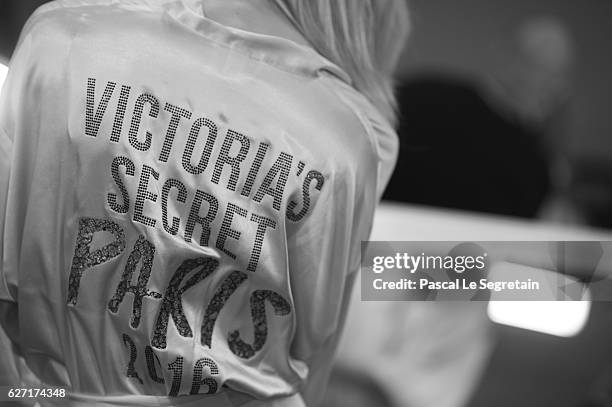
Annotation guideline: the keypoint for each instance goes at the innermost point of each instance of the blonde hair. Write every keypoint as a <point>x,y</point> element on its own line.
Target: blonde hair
<point>363,37</point>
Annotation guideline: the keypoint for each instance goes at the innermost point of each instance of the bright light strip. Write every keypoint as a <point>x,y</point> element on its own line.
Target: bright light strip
<point>3,73</point>
<point>560,318</point>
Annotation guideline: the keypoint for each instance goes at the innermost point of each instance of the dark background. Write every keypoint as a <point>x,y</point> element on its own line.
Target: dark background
<point>475,37</point>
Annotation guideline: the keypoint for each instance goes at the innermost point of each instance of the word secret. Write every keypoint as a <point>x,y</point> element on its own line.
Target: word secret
<point>249,168</point>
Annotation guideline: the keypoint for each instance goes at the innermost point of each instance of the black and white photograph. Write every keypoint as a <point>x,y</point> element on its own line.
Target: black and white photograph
<point>305,203</point>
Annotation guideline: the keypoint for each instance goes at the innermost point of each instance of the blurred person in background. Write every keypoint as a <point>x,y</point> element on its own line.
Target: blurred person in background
<point>473,145</point>
<point>456,151</point>
<point>101,108</point>
<point>492,145</point>
<point>536,90</point>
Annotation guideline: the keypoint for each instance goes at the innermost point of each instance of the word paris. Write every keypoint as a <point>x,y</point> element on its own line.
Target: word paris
<point>189,273</point>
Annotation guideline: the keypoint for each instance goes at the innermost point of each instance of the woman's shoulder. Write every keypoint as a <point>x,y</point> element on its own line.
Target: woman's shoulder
<point>382,136</point>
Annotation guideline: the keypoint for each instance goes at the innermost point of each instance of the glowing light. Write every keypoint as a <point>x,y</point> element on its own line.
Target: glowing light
<point>560,318</point>
<point>3,73</point>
